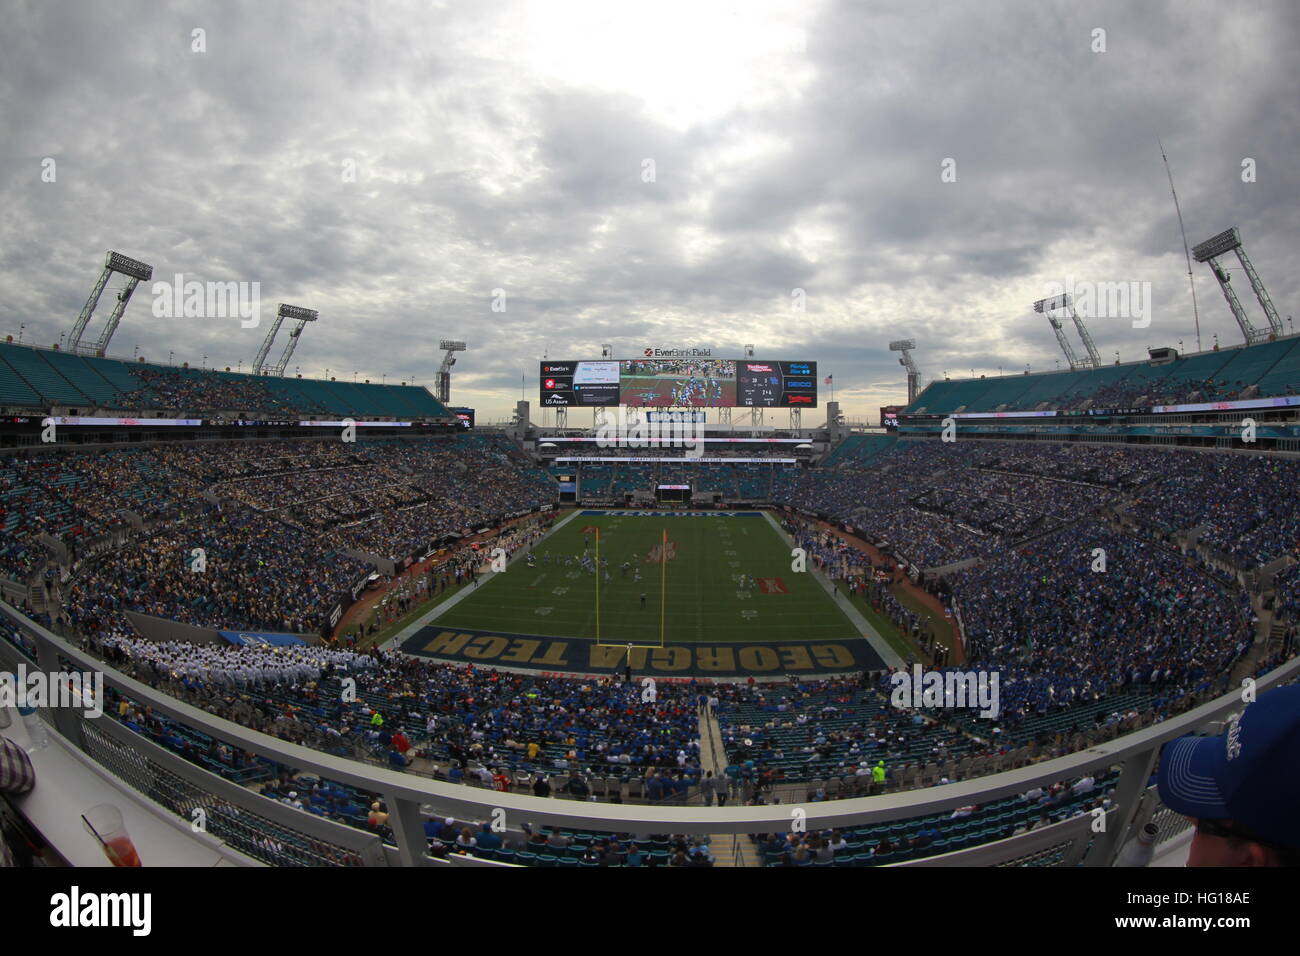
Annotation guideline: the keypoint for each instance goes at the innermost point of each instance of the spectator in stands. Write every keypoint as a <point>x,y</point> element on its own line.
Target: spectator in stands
<point>487,837</point>
<point>16,776</point>
<point>466,841</point>
<point>708,787</point>
<point>1242,788</point>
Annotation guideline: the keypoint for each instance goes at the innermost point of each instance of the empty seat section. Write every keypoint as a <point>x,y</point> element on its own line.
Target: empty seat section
<point>86,380</point>
<point>42,377</point>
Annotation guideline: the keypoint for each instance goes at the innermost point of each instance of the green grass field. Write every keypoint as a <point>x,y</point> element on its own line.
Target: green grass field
<point>696,587</point>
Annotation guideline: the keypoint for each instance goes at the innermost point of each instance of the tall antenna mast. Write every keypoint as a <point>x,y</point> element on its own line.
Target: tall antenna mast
<point>1186,252</point>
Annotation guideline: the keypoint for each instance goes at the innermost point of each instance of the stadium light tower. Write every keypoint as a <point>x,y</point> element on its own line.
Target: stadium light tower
<point>1210,251</point>
<point>135,272</point>
<point>913,374</point>
<point>1061,340</point>
<point>1066,303</point>
<point>451,347</point>
<point>282,312</point>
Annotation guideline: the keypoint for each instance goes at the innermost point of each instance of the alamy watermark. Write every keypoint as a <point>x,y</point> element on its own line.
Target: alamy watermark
<point>74,690</point>
<point>1107,300</point>
<point>623,428</point>
<point>192,299</point>
<point>951,689</point>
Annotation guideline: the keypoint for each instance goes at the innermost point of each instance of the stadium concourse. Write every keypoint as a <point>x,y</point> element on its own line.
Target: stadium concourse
<point>1112,585</point>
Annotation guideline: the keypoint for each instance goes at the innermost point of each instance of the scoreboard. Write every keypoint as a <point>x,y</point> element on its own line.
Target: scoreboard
<point>889,415</point>
<point>776,384</point>
<point>593,384</point>
<point>700,383</point>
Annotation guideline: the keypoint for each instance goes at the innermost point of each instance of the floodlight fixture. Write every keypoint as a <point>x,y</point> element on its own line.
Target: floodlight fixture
<point>443,380</point>
<point>1209,251</point>
<point>1064,302</point>
<point>135,272</point>
<point>1216,246</point>
<point>283,311</point>
<point>297,312</point>
<point>913,373</point>
<point>1053,302</point>
<point>127,266</point>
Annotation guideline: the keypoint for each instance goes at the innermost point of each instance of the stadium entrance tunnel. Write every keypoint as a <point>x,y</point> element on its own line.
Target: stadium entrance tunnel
<point>584,656</point>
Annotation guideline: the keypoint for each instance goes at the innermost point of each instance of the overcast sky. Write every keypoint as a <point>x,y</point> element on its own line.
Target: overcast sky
<point>504,145</point>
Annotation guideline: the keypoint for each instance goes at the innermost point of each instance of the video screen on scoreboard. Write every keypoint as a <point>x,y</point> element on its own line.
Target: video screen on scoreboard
<point>776,384</point>
<point>590,384</point>
<point>679,382</point>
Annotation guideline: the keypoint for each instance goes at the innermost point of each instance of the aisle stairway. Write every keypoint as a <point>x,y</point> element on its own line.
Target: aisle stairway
<point>729,849</point>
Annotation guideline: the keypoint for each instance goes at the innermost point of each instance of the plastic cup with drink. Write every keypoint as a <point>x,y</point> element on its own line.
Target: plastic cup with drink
<point>105,823</point>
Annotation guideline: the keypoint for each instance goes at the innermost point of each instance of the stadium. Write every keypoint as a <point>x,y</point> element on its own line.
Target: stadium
<point>582,582</point>
<point>345,629</point>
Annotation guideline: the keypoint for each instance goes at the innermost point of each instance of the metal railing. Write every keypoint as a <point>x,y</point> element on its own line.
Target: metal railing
<point>406,796</point>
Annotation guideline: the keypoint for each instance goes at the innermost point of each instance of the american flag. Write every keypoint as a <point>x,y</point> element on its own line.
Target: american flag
<point>828,379</point>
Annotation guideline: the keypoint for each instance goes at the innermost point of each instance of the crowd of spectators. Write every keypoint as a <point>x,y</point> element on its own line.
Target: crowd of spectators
<point>465,718</point>
<point>1142,392</point>
<point>197,390</point>
<point>270,553</point>
<point>211,568</point>
<point>78,499</point>
<point>228,666</point>
<point>938,503</point>
<point>1082,614</point>
<point>1060,629</point>
<point>1287,603</point>
<point>390,498</point>
<point>1241,503</point>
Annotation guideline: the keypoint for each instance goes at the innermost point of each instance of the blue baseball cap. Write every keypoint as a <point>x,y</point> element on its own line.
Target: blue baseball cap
<point>1249,774</point>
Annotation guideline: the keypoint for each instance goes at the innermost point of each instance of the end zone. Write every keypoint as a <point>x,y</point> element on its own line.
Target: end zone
<point>583,656</point>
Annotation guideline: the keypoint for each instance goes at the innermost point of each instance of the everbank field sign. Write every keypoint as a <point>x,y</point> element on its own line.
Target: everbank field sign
<point>677,353</point>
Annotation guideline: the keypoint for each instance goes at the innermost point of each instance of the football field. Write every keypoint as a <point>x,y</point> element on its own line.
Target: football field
<point>720,579</point>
